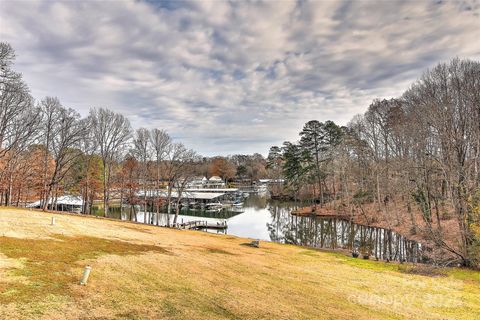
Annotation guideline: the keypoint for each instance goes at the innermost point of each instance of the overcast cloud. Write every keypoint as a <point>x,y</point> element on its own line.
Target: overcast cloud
<point>233,77</point>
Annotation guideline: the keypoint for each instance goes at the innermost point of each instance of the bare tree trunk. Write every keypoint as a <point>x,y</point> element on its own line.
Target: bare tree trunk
<point>106,170</point>
<point>177,210</point>
<point>377,186</point>
<point>169,207</point>
<point>122,186</point>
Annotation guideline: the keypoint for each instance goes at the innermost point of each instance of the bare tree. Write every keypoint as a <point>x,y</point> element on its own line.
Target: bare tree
<point>88,146</point>
<point>161,143</point>
<point>18,116</point>
<point>141,151</point>
<point>176,162</point>
<point>186,163</point>
<point>63,134</point>
<point>112,131</point>
<point>444,101</point>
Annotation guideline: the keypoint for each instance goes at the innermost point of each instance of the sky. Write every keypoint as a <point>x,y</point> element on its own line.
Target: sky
<point>233,77</point>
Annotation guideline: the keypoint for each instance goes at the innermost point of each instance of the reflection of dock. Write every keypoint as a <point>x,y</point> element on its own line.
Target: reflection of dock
<point>197,225</point>
<point>218,214</point>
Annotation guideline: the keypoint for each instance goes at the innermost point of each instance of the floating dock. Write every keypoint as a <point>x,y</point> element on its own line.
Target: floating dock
<point>199,224</point>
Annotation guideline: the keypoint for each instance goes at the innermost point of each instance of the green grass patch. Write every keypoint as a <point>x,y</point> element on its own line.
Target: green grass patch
<point>366,264</point>
<point>465,274</point>
<point>49,264</point>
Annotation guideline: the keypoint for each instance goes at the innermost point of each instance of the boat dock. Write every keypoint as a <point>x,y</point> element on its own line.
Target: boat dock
<point>199,224</point>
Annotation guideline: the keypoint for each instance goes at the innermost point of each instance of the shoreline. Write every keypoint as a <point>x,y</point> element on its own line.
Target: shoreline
<point>310,211</point>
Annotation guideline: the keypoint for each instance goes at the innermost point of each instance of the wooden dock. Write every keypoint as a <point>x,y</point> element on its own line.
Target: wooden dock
<point>199,224</point>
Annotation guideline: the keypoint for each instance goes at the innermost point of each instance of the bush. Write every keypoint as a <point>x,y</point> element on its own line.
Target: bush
<point>362,196</point>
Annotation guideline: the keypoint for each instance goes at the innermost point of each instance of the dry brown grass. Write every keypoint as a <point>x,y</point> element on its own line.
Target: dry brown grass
<point>144,272</point>
<point>47,264</point>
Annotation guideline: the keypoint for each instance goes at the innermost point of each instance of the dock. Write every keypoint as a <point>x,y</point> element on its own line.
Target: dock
<point>199,224</point>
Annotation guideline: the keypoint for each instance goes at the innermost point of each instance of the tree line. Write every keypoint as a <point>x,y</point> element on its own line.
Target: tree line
<point>48,150</point>
<point>408,161</point>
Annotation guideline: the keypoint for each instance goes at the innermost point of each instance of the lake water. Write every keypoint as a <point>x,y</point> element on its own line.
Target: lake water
<point>271,220</point>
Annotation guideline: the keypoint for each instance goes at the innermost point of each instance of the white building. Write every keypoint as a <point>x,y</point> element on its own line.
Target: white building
<point>214,182</point>
<point>64,203</point>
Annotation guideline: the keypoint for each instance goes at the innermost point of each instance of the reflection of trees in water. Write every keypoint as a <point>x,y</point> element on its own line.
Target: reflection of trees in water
<point>336,233</point>
<point>311,231</point>
<point>130,212</point>
<point>256,202</point>
<point>281,228</point>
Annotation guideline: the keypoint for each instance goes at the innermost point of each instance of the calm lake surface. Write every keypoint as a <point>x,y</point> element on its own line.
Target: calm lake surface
<point>271,220</point>
<point>258,219</point>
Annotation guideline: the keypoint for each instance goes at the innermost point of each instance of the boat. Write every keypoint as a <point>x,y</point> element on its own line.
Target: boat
<point>194,204</point>
<point>237,209</point>
<point>213,206</point>
<point>237,204</point>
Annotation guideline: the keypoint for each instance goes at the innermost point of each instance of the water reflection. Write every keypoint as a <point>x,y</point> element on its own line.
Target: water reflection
<point>271,220</point>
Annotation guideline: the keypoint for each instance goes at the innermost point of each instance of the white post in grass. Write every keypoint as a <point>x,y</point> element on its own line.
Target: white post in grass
<point>53,221</point>
<point>86,273</point>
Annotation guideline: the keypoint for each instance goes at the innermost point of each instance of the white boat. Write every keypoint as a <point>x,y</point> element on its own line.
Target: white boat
<point>237,204</point>
<point>213,206</point>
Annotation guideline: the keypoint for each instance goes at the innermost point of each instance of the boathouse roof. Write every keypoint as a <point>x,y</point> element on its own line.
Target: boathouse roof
<point>63,200</point>
<point>214,190</point>
<point>187,194</point>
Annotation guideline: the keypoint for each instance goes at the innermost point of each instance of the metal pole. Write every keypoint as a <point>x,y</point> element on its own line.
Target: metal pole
<point>86,273</point>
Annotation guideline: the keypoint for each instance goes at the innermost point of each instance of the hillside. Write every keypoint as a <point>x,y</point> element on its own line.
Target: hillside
<point>145,272</point>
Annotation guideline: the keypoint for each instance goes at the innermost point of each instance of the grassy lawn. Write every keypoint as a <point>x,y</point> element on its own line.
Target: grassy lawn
<point>144,272</point>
